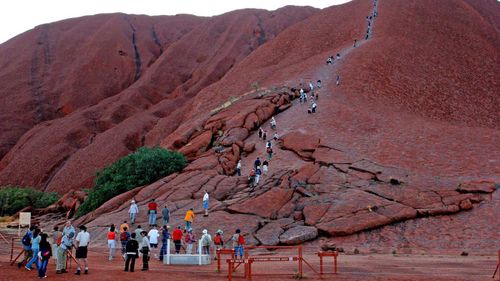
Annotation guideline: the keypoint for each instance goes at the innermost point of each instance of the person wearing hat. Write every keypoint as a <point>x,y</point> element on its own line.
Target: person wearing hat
<point>66,244</point>
<point>82,242</point>
<point>145,248</point>
<point>133,211</point>
<point>206,241</point>
<point>218,240</point>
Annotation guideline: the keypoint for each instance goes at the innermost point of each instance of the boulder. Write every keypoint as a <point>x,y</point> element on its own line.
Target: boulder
<point>298,235</point>
<point>269,235</point>
<point>265,205</point>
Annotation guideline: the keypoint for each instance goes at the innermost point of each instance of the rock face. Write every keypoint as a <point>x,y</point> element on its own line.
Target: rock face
<point>373,158</point>
<point>298,235</point>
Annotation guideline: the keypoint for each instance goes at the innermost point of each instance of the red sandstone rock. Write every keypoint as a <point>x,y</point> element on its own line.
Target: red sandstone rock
<point>298,235</point>
<point>265,205</point>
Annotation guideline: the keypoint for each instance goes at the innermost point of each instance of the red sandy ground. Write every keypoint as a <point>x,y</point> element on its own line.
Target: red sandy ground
<point>351,267</point>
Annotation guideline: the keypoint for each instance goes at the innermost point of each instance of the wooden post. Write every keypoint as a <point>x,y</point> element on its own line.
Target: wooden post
<point>300,262</point>
<point>335,262</point>
<point>320,254</point>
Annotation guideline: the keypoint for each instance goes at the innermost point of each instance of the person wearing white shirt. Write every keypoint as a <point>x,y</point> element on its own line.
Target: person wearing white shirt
<point>82,242</point>
<point>153,235</point>
<point>205,203</point>
<point>133,211</point>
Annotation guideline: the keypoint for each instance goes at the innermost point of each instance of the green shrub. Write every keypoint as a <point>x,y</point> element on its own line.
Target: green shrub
<point>14,198</point>
<point>142,167</point>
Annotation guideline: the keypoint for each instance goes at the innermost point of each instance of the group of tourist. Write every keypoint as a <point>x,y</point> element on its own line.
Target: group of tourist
<point>38,250</point>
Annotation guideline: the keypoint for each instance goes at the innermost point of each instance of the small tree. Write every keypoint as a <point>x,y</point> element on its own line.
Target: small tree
<point>14,198</point>
<point>145,166</point>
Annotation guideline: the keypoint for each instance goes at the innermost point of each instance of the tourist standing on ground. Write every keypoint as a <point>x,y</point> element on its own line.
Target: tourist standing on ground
<point>238,243</point>
<point>206,242</point>
<point>26,241</point>
<point>238,168</point>
<point>145,248</point>
<point>165,215</point>
<point>124,238</point>
<point>44,255</point>
<point>133,211</point>
<point>132,251</point>
<point>152,210</point>
<point>269,151</point>
<point>218,240</point>
<point>205,203</point>
<point>35,247</point>
<point>82,243</point>
<point>111,241</point>
<point>153,235</point>
<point>56,240</point>
<point>66,244</point>
<point>189,240</point>
<point>189,218</point>
<point>165,235</point>
<point>177,237</point>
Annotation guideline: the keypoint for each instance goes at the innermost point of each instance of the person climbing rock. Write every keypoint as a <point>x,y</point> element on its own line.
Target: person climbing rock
<point>269,144</point>
<point>338,80</point>
<point>133,211</point>
<point>238,168</point>
<point>189,218</point>
<point>165,215</point>
<point>251,178</point>
<point>338,56</point>
<point>265,167</point>
<point>318,84</point>
<point>276,137</point>
<point>152,206</point>
<point>257,163</point>
<point>264,135</point>
<point>258,173</point>
<point>355,41</point>
<point>311,86</point>
<point>205,203</point>
<point>260,133</point>
<point>269,151</point>
<point>273,123</point>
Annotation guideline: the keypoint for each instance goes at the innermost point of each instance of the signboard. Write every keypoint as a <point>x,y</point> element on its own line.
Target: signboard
<point>25,218</point>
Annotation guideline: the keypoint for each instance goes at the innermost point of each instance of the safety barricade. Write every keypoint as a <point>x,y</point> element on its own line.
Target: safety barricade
<point>250,260</point>
<point>220,252</point>
<point>333,254</point>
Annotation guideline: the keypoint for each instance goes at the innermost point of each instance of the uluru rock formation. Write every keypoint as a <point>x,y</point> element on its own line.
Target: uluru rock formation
<point>409,136</point>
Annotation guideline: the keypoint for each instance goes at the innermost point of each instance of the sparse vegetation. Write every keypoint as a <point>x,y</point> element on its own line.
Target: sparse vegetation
<point>15,198</point>
<point>145,166</point>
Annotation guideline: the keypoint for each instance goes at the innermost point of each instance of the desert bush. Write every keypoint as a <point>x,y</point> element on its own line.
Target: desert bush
<point>142,167</point>
<point>15,198</point>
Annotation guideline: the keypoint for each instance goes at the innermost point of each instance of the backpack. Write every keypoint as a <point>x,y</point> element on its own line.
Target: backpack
<point>241,240</point>
<point>26,240</point>
<point>217,240</point>
<point>186,238</point>
<point>269,150</point>
<point>59,240</point>
<point>123,236</point>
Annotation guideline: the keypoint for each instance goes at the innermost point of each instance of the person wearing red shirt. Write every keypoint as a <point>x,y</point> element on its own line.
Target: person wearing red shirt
<point>177,237</point>
<point>152,206</point>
